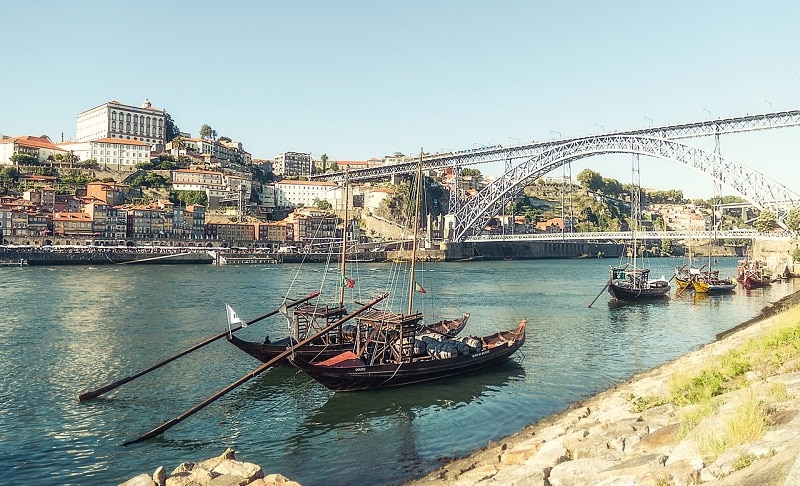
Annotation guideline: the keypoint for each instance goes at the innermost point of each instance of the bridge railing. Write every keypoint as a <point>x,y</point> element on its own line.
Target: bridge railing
<point>640,235</point>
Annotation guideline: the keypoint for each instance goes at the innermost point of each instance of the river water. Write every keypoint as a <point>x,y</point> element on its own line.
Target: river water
<point>66,330</point>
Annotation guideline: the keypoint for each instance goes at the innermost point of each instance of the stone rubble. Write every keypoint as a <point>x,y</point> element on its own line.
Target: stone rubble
<point>223,470</point>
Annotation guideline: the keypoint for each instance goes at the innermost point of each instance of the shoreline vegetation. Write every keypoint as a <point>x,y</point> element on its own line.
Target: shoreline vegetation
<point>727,414</point>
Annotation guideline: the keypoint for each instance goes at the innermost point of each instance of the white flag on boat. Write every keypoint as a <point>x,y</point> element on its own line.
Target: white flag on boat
<point>233,317</point>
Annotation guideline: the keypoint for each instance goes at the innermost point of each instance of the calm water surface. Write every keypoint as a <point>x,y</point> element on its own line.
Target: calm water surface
<point>67,330</point>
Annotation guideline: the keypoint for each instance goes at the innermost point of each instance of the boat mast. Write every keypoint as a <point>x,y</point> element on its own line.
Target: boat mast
<point>635,206</point>
<point>415,222</point>
<point>344,238</point>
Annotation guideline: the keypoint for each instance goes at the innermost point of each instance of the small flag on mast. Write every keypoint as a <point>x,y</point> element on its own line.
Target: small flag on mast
<point>418,288</point>
<point>233,317</point>
<point>348,282</point>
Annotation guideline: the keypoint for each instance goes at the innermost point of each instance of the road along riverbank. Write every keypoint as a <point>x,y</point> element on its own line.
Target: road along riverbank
<point>727,413</point>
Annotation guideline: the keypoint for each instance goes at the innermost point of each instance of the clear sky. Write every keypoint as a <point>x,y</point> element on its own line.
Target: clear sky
<point>359,79</point>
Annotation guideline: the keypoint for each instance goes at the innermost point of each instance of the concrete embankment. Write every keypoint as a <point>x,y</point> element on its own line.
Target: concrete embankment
<point>642,432</point>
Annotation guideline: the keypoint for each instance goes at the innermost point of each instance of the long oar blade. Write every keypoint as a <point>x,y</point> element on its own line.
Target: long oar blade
<point>104,389</point>
<point>601,292</point>
<point>169,424</point>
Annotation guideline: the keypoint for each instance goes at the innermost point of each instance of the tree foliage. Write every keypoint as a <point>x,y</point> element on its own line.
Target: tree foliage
<point>171,130</point>
<point>322,204</point>
<point>207,132</point>
<point>187,198</point>
<point>766,221</point>
<point>793,219</point>
<point>23,159</point>
<point>150,180</point>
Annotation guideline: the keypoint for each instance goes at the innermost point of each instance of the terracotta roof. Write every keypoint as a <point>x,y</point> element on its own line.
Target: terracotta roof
<point>29,141</point>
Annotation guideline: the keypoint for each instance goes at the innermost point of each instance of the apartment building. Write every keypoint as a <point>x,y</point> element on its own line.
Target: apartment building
<point>291,194</point>
<point>292,164</point>
<point>110,153</point>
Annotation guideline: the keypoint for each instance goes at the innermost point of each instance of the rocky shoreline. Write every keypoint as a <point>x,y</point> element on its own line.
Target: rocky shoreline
<point>631,434</point>
<point>609,439</point>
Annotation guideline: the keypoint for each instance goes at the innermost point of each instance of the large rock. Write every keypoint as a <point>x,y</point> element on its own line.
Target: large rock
<point>247,470</point>
<point>140,480</point>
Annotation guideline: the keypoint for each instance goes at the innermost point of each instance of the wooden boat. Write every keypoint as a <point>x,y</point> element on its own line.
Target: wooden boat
<point>751,274</point>
<point>312,318</point>
<point>710,283</point>
<point>389,351</point>
<point>683,277</point>
<point>395,356</point>
<point>630,283</point>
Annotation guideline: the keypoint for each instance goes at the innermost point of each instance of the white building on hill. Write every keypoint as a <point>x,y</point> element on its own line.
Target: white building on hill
<point>115,120</point>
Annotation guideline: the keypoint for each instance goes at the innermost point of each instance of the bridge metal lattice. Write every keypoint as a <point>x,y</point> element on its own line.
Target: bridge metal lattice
<point>498,153</point>
<point>760,190</point>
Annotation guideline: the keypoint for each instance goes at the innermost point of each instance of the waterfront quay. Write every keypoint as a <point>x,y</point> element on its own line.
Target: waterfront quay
<point>105,255</point>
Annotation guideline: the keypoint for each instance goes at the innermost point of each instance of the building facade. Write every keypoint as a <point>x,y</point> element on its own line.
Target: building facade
<point>110,153</point>
<point>292,164</point>
<point>116,120</point>
<point>40,148</point>
<point>291,194</point>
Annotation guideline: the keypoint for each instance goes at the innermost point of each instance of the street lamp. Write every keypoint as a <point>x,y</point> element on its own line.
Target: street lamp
<point>601,126</point>
<point>709,113</point>
<point>651,120</point>
<point>556,133</point>
<point>770,104</point>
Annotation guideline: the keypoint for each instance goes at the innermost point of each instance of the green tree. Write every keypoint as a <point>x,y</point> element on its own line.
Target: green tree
<point>766,221</point>
<point>322,204</point>
<point>23,159</point>
<point>171,131</point>
<point>324,159</point>
<point>793,219</point>
<point>590,180</point>
<point>187,198</point>
<point>8,177</point>
<point>666,247</point>
<point>471,173</point>
<point>206,131</point>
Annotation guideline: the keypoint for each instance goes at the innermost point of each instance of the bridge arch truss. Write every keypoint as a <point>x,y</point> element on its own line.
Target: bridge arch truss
<point>761,191</point>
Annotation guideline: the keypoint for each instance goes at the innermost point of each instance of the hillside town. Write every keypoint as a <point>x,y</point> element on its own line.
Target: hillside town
<point>131,177</point>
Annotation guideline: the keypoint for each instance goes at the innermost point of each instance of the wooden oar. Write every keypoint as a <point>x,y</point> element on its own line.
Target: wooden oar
<point>167,425</point>
<point>601,292</point>
<point>96,393</point>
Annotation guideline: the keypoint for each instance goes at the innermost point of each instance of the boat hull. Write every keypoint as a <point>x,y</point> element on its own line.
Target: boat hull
<point>356,376</point>
<point>628,293</point>
<point>267,351</point>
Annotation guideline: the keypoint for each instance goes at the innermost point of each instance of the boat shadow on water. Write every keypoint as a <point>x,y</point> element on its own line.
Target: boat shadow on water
<point>349,409</point>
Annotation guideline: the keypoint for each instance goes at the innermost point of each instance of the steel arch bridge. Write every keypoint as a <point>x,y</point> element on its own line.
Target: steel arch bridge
<point>763,192</point>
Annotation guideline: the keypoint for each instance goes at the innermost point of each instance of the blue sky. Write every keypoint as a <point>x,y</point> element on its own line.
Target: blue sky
<point>361,79</point>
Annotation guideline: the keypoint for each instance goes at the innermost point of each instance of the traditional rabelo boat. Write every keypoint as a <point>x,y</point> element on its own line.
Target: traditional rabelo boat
<point>395,355</point>
<point>631,281</point>
<point>627,282</point>
<point>390,351</point>
<point>752,274</point>
<point>710,283</point>
<point>310,319</point>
